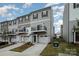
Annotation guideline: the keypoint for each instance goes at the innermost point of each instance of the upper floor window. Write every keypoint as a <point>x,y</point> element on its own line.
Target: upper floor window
<point>39,27</point>
<point>20,20</point>
<point>35,16</point>
<point>14,22</point>
<point>27,17</point>
<point>78,23</point>
<point>24,29</point>
<point>75,5</point>
<point>10,23</point>
<point>44,13</point>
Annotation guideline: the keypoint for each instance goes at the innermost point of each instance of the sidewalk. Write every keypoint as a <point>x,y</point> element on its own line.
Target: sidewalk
<point>32,51</point>
<point>5,51</point>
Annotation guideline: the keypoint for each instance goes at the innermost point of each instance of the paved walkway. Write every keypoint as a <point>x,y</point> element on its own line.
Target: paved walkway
<point>32,51</point>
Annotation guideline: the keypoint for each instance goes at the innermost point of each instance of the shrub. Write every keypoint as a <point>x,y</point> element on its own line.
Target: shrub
<point>49,43</point>
<point>3,43</point>
<point>54,37</point>
<point>29,43</point>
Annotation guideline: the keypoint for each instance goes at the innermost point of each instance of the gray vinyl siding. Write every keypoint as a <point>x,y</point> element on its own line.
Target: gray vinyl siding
<point>65,22</point>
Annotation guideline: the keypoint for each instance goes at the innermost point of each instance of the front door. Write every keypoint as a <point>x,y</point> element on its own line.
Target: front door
<point>34,38</point>
<point>77,36</point>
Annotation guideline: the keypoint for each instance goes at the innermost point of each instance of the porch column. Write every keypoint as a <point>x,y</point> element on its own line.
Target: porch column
<point>74,37</point>
<point>36,38</point>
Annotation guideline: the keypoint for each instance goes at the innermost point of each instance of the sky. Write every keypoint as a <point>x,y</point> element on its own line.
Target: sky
<point>9,11</point>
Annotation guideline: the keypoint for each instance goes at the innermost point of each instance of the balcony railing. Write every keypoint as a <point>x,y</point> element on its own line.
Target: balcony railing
<point>10,33</point>
<point>22,31</point>
<point>40,28</point>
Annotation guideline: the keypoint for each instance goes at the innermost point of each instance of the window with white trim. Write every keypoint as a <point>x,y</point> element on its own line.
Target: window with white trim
<point>35,16</point>
<point>75,5</point>
<point>44,13</point>
<point>14,22</point>
<point>20,20</point>
<point>27,17</point>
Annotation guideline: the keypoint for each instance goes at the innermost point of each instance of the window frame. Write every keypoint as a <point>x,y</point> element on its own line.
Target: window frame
<point>44,13</point>
<point>35,15</point>
<point>75,5</point>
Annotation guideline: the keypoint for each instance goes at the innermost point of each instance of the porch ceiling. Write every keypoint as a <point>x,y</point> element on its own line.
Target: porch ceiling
<point>76,29</point>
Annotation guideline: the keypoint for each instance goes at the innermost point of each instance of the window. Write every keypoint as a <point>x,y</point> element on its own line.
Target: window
<point>20,20</point>
<point>16,30</point>
<point>12,31</point>
<point>78,23</point>
<point>75,5</point>
<point>14,22</point>
<point>10,23</point>
<point>27,17</point>
<point>24,29</point>
<point>27,30</point>
<point>44,13</point>
<point>35,16</point>
<point>38,27</point>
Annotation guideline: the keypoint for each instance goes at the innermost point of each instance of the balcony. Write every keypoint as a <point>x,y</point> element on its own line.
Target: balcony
<point>39,29</point>
<point>10,33</point>
<point>75,29</point>
<point>22,31</point>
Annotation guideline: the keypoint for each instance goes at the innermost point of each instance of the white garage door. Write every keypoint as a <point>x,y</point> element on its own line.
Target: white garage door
<point>44,39</point>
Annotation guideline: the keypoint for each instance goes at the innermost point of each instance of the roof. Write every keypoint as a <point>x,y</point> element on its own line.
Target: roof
<point>29,13</point>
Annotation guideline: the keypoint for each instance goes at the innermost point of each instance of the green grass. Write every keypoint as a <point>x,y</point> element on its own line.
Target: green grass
<point>22,47</point>
<point>51,51</point>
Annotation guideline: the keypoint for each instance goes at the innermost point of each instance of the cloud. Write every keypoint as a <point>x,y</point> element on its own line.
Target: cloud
<point>58,9</point>
<point>26,5</point>
<point>51,4</point>
<point>9,16</point>
<point>57,25</point>
<point>5,11</point>
<point>58,17</point>
<point>5,8</point>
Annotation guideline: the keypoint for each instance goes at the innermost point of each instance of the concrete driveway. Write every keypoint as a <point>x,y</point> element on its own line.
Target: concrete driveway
<point>32,51</point>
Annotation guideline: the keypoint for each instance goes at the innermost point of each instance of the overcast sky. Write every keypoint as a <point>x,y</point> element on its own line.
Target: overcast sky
<point>10,11</point>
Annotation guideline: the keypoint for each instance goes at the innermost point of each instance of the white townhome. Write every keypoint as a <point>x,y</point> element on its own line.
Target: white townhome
<point>71,22</point>
<point>35,27</point>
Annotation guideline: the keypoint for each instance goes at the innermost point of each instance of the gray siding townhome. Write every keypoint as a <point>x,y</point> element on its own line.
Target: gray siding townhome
<point>71,22</point>
<point>35,27</point>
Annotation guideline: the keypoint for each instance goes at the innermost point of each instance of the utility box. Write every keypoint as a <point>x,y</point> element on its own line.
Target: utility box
<point>55,44</point>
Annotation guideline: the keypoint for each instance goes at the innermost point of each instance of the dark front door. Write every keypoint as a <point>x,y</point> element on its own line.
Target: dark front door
<point>34,38</point>
<point>77,36</point>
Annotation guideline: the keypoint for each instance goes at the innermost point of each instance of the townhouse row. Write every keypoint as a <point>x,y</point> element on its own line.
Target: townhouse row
<point>35,27</point>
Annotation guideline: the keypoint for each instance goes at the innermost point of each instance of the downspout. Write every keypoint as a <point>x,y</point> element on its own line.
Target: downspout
<point>68,22</point>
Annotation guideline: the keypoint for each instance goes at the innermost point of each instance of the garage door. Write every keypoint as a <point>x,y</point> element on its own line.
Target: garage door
<point>44,40</point>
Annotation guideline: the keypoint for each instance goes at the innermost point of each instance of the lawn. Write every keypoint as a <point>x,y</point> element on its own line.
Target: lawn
<point>22,47</point>
<point>51,51</point>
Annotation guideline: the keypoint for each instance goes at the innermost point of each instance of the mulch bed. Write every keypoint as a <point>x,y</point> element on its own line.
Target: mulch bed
<point>22,47</point>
